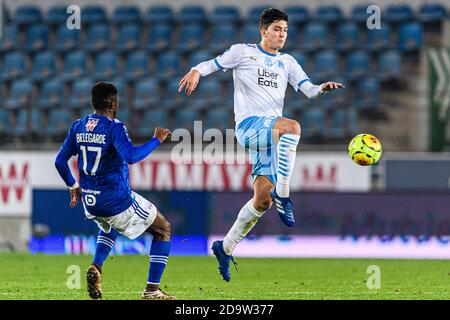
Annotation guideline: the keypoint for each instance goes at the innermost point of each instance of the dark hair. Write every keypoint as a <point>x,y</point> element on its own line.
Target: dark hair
<point>270,15</point>
<point>104,94</point>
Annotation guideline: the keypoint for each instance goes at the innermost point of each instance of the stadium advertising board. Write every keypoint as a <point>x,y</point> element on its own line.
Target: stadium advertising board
<point>313,171</point>
<point>419,173</point>
<point>15,184</point>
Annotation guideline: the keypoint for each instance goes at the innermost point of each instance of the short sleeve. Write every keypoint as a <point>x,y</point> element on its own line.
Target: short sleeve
<point>230,58</point>
<point>296,75</point>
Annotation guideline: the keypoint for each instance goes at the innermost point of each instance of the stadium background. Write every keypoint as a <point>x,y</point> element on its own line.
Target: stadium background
<point>397,82</point>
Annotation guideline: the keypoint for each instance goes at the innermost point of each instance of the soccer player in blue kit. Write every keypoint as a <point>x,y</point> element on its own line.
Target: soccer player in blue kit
<point>104,151</point>
<point>261,74</point>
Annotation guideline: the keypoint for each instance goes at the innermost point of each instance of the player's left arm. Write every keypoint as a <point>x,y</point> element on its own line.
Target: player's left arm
<point>331,85</point>
<point>65,153</point>
<point>300,81</point>
<point>130,153</point>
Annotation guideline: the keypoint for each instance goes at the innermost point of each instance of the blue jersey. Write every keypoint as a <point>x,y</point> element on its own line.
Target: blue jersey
<point>104,151</point>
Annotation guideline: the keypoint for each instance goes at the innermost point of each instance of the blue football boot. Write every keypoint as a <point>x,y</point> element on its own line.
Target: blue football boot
<point>223,259</point>
<point>284,208</point>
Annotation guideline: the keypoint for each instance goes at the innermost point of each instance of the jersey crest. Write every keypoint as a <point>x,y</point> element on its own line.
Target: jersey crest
<point>91,124</point>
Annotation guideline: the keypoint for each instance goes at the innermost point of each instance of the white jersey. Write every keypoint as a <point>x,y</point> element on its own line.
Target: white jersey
<point>260,79</point>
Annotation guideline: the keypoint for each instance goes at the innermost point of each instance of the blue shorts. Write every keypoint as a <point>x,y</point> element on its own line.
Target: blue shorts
<point>255,134</point>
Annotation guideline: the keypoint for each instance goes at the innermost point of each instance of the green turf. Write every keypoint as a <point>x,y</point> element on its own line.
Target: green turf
<point>26,276</point>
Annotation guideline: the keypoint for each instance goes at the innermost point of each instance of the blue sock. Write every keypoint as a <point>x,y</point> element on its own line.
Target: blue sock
<point>159,253</point>
<point>105,243</point>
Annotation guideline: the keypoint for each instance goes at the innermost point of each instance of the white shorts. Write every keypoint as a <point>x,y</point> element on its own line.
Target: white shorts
<point>132,222</point>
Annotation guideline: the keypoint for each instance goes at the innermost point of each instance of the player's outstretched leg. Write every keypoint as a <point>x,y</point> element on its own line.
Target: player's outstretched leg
<point>105,243</point>
<point>289,137</point>
<point>246,220</point>
<point>159,255</point>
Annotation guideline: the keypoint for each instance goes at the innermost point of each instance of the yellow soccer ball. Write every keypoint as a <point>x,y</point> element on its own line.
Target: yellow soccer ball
<point>365,149</point>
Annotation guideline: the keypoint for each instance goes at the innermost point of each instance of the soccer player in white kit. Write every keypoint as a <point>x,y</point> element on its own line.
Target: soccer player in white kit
<point>261,74</point>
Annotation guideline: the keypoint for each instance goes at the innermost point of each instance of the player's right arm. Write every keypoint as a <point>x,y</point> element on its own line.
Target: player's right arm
<point>68,150</point>
<point>130,153</point>
<point>228,60</point>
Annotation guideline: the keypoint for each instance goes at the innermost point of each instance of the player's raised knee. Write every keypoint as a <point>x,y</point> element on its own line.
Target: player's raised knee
<point>294,127</point>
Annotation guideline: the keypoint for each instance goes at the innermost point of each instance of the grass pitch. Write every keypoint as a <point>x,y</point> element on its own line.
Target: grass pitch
<point>26,276</point>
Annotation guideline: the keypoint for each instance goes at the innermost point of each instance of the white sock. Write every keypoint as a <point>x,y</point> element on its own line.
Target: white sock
<point>287,150</point>
<point>247,218</point>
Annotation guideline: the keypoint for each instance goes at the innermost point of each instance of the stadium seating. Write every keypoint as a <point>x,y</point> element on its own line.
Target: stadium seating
<point>207,95</point>
<point>44,65</point>
<point>145,51</point>
<point>297,14</point>
<point>359,14</point>
<point>431,12</point>
<point>66,39</point>
<point>9,39</point>
<point>57,15</point>
<point>173,100</point>
<point>106,65</point>
<point>250,33</point>
<point>222,37</point>
<point>193,37</point>
<point>80,96</point>
<point>20,126</point>
<point>185,118</point>
<point>28,15</point>
<point>20,96</point>
<point>129,37</point>
<point>149,120</point>
<point>313,122</point>
<point>52,95</point>
<point>325,66</point>
<point>336,128</point>
<point>410,37</point>
<point>315,36</point>
<point>160,14</point>
<point>368,95</point>
<point>93,14</point>
<point>389,66</point>
<point>217,118</point>
<point>328,14</point>
<point>126,14</point>
<point>58,123</point>
<point>347,37</point>
<point>137,65</point>
<point>75,66</point>
<point>191,14</point>
<point>98,38</point>
<point>358,65</point>
<point>5,122</point>
<point>398,13</point>
<point>37,122</point>
<point>14,66</point>
<point>200,56</point>
<point>224,15</point>
<point>254,13</point>
<point>36,37</point>
<point>168,64</point>
<point>159,38</point>
<point>379,39</point>
<point>146,94</point>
